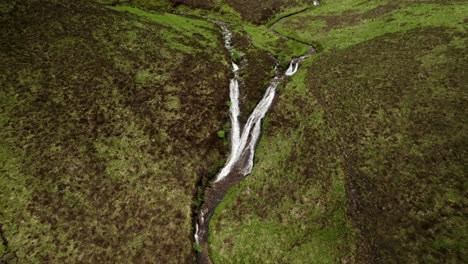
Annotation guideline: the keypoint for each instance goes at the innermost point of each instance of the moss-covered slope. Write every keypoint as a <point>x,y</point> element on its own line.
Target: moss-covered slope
<point>363,155</point>
<point>107,120</point>
<point>399,111</point>
<point>261,11</point>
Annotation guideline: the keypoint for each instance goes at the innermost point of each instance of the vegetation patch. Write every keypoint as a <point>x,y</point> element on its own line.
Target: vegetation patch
<point>112,116</point>
<point>107,127</point>
<point>261,11</point>
<point>289,209</point>
<point>343,28</point>
<point>401,136</point>
<point>179,29</point>
<point>362,158</point>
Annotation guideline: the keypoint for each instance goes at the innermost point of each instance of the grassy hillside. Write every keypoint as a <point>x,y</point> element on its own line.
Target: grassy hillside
<point>292,208</point>
<point>399,111</point>
<point>259,12</point>
<point>256,47</point>
<point>108,121</point>
<point>340,24</point>
<point>363,155</point>
<point>111,116</point>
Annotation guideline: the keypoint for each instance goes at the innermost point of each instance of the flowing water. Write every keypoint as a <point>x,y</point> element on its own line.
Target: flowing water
<point>242,143</point>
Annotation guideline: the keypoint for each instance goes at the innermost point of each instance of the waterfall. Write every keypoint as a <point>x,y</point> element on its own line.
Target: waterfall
<point>235,67</point>
<point>293,66</point>
<point>242,143</point>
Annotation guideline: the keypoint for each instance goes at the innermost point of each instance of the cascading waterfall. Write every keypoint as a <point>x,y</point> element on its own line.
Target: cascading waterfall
<point>293,66</point>
<point>242,145</point>
<point>245,146</point>
<point>235,67</point>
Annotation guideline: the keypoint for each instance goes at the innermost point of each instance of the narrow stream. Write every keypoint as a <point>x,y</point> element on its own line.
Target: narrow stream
<point>242,143</point>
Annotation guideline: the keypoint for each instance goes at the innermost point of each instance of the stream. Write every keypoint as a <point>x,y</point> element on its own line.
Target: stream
<point>242,141</point>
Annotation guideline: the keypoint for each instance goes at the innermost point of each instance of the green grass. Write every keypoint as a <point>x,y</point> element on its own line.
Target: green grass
<point>361,155</point>
<point>260,35</point>
<point>96,122</point>
<point>278,213</point>
<point>312,26</point>
<point>287,12</point>
<point>259,12</point>
<point>264,39</point>
<point>398,132</point>
<point>255,43</point>
<point>179,27</point>
<point>328,7</point>
<point>259,67</point>
<point>236,56</point>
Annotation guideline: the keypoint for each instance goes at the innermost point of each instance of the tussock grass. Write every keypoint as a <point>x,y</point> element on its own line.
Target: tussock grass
<point>361,159</point>
<point>312,25</point>
<point>108,120</point>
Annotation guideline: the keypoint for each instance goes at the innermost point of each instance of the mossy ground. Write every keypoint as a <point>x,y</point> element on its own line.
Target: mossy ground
<point>292,208</point>
<point>338,24</point>
<point>400,121</point>
<point>110,116</point>
<point>108,121</point>
<point>256,47</point>
<point>362,156</point>
<point>259,12</point>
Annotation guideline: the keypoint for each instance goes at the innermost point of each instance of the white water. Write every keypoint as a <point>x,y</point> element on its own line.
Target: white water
<point>197,239</point>
<point>293,66</point>
<point>235,67</point>
<point>250,133</point>
<point>234,114</point>
<point>243,144</point>
<point>198,232</point>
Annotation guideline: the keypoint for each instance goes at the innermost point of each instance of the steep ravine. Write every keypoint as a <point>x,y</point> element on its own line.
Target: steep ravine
<point>243,140</point>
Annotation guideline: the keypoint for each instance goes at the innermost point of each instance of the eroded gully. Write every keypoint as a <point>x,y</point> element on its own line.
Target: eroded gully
<point>242,142</point>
